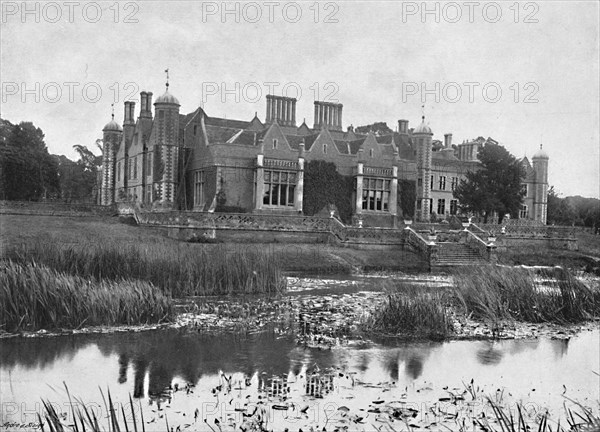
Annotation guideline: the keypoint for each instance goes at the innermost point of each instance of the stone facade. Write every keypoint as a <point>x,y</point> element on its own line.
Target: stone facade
<point>201,163</point>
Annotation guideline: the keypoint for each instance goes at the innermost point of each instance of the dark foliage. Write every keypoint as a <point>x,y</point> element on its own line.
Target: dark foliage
<point>380,128</point>
<point>407,197</point>
<point>496,187</point>
<point>27,170</point>
<point>323,186</point>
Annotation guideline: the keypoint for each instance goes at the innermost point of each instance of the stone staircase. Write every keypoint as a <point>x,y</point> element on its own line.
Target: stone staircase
<point>456,254</point>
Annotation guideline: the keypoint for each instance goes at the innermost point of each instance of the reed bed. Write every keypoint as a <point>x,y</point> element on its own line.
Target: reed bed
<point>33,297</point>
<point>178,269</point>
<point>499,293</point>
<point>413,311</point>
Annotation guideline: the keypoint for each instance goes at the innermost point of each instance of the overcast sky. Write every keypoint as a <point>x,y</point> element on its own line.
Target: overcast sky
<point>380,59</point>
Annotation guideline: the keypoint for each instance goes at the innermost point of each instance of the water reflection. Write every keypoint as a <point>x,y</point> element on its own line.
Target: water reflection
<point>146,363</point>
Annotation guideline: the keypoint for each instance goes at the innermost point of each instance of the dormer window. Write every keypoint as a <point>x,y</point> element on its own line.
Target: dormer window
<point>274,144</point>
<point>325,148</point>
<point>371,153</point>
<point>195,129</point>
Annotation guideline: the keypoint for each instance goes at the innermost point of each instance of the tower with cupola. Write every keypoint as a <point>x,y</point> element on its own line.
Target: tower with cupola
<point>112,134</point>
<point>540,198</point>
<point>422,136</point>
<point>164,142</point>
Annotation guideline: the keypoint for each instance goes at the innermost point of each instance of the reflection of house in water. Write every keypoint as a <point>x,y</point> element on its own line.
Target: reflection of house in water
<point>319,384</point>
<point>413,357</point>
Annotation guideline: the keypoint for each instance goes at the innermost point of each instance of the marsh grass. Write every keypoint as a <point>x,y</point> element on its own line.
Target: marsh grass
<point>490,294</point>
<point>33,297</point>
<point>411,310</point>
<point>178,269</point>
<point>500,293</point>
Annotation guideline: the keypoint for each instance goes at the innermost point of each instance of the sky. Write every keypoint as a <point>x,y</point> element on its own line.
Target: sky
<point>523,73</point>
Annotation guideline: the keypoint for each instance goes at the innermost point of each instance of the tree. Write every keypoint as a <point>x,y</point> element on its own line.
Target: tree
<point>380,128</point>
<point>560,211</point>
<point>495,186</point>
<point>78,180</point>
<point>323,185</point>
<point>28,171</point>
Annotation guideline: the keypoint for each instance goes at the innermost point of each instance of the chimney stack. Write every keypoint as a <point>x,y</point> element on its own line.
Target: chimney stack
<point>403,127</point>
<point>145,103</point>
<point>448,140</point>
<point>281,109</point>
<point>129,113</point>
<point>329,115</point>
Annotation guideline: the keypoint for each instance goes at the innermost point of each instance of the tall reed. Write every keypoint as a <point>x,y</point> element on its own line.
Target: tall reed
<point>413,311</point>
<point>178,269</point>
<point>36,297</point>
<point>496,293</point>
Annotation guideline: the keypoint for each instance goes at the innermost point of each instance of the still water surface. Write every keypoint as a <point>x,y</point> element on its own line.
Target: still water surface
<point>145,364</point>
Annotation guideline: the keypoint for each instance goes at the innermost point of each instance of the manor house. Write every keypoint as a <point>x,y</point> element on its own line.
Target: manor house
<point>167,160</point>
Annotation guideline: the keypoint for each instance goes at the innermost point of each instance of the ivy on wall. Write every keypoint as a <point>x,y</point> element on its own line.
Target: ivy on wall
<point>407,195</point>
<point>323,186</point>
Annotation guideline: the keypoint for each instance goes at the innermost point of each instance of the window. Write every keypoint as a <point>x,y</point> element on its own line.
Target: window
<point>148,194</point>
<point>149,164</point>
<point>432,181</point>
<point>453,207</point>
<point>442,183</point>
<point>441,207</point>
<point>198,188</point>
<point>523,212</point>
<point>430,205</point>
<point>524,190</point>
<point>454,183</point>
<point>371,153</point>
<point>420,182</point>
<point>280,187</point>
<point>325,148</point>
<point>376,194</point>
<point>418,204</point>
<point>195,129</point>
<point>274,144</point>
<point>135,167</point>
<point>119,171</point>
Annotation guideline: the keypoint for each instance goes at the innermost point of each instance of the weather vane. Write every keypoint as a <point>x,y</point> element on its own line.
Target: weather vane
<point>423,111</point>
<point>167,72</point>
<point>112,107</point>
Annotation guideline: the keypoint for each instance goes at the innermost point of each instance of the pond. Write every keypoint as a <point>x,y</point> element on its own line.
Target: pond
<point>174,372</point>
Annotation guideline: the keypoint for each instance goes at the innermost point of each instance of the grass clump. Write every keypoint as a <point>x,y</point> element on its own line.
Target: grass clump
<point>499,293</point>
<point>412,311</point>
<point>36,297</point>
<point>178,269</point>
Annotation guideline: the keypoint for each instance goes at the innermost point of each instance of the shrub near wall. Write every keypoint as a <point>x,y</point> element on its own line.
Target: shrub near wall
<point>323,185</point>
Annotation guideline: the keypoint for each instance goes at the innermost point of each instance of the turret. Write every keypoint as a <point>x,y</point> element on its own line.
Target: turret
<point>422,136</point>
<point>540,185</point>
<point>112,134</point>
<point>165,147</point>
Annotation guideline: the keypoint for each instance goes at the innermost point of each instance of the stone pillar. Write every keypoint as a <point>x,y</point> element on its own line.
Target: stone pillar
<point>260,182</point>
<point>294,112</point>
<point>393,207</point>
<point>299,186</point>
<point>316,120</point>
<point>359,188</point>
<point>340,116</point>
<point>268,119</point>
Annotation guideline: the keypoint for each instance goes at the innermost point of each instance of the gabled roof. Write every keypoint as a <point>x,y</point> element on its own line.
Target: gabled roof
<point>356,144</point>
<point>385,139</point>
<point>309,140</point>
<point>342,146</point>
<point>245,137</point>
<point>226,123</point>
<point>220,134</point>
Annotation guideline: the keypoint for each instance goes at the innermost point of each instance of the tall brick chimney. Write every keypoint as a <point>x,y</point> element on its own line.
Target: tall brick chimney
<point>146,104</point>
<point>329,115</point>
<point>403,127</point>
<point>282,109</point>
<point>448,140</point>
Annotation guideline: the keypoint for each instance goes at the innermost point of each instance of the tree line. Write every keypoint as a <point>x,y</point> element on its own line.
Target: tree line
<point>29,172</point>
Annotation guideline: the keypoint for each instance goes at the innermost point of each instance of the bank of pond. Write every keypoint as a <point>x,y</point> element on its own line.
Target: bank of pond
<point>51,285</point>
